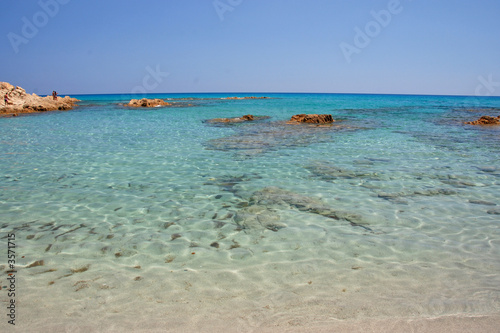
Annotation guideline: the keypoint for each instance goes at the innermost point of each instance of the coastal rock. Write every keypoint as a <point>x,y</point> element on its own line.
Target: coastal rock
<point>147,103</point>
<point>485,120</point>
<point>312,119</point>
<point>21,102</point>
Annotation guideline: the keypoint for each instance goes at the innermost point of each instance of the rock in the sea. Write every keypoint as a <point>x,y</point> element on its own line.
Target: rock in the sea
<point>249,97</point>
<point>312,119</point>
<point>485,120</point>
<point>258,217</point>
<point>247,117</point>
<point>327,171</point>
<point>147,103</point>
<point>494,211</point>
<point>276,197</point>
<point>21,102</point>
<point>259,137</point>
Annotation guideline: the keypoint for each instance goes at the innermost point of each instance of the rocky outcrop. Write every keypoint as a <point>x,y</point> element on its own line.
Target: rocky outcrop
<point>18,101</point>
<point>147,103</point>
<point>485,120</point>
<point>312,119</point>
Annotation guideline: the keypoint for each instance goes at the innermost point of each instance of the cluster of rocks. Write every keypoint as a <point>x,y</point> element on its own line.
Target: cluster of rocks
<point>18,101</point>
<point>485,120</point>
<point>296,119</point>
<point>147,103</point>
<point>312,119</point>
<point>264,136</point>
<point>156,102</point>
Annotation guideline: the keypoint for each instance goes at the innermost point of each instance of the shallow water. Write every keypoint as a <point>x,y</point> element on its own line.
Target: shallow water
<point>391,211</point>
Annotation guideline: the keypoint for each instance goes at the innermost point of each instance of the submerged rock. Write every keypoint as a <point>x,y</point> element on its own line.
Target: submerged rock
<point>262,211</point>
<point>482,202</point>
<point>257,216</point>
<point>229,183</point>
<point>271,198</point>
<point>258,138</point>
<point>247,117</point>
<point>485,120</point>
<point>494,211</point>
<point>396,197</point>
<point>312,119</point>
<point>327,171</point>
<point>147,103</point>
<point>487,168</point>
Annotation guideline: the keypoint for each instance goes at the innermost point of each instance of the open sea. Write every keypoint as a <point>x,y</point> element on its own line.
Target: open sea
<point>154,219</point>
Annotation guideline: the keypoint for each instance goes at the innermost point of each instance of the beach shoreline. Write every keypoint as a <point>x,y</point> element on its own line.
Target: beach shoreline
<point>450,323</point>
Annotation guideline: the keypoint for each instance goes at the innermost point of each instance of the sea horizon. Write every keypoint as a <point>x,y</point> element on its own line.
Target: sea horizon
<point>276,93</point>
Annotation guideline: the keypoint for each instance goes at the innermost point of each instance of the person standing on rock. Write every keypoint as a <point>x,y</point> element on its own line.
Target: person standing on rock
<point>6,98</point>
<point>54,95</point>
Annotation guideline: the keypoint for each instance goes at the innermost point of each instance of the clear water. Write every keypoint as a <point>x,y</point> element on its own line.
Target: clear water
<point>392,211</point>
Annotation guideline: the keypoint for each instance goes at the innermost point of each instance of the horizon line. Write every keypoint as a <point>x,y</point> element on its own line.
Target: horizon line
<point>261,93</point>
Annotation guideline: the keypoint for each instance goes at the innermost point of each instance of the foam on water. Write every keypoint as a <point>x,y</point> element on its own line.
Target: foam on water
<point>392,211</point>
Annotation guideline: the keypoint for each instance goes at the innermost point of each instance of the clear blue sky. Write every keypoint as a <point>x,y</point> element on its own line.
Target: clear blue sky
<point>112,46</point>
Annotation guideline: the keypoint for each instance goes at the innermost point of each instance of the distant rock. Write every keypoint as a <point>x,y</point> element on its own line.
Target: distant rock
<point>147,103</point>
<point>312,119</point>
<point>21,102</point>
<point>485,120</point>
<point>247,117</point>
<point>249,97</point>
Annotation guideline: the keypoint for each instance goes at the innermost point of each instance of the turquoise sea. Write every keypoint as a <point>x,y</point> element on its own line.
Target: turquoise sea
<point>143,218</point>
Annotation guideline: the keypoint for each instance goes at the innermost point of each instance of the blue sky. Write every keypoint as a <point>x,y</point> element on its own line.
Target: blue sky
<point>340,46</point>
